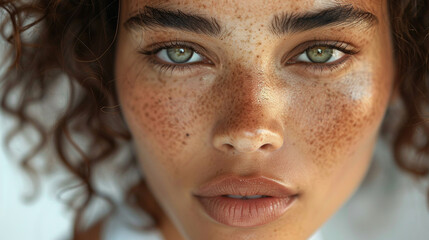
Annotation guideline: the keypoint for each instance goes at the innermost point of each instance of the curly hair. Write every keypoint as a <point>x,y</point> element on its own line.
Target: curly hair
<point>75,44</point>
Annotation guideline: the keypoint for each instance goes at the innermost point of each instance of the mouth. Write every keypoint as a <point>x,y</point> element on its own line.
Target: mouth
<point>245,202</point>
<point>245,197</point>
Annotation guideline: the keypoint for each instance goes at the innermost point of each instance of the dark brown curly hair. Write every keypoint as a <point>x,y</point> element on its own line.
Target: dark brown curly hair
<point>72,42</point>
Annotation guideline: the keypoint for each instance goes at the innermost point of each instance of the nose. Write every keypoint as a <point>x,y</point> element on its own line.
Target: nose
<point>251,121</point>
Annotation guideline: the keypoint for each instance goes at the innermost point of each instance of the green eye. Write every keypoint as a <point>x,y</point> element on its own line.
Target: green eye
<point>179,54</point>
<point>319,54</point>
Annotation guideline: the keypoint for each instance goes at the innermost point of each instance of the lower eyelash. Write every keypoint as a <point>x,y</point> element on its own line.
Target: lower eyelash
<point>163,68</point>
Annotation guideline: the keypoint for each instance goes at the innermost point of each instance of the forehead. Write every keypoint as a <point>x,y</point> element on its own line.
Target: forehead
<point>250,9</point>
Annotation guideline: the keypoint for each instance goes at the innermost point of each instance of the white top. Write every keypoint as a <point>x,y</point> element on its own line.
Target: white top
<point>387,206</point>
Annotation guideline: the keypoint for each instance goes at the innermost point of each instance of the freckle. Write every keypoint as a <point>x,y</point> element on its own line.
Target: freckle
<point>184,143</point>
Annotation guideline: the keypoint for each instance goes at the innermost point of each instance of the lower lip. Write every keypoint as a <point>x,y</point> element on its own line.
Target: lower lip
<point>245,213</point>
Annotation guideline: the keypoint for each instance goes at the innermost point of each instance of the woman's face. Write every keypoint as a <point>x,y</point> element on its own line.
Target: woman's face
<point>289,91</point>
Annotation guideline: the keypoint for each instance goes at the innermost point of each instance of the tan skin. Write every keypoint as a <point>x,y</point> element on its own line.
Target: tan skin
<point>244,110</point>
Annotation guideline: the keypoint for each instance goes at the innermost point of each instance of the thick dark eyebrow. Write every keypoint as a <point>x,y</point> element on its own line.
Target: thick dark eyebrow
<point>338,15</point>
<point>153,17</point>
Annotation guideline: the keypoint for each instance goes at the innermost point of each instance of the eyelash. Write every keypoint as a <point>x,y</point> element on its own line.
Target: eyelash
<point>345,48</point>
<point>164,67</point>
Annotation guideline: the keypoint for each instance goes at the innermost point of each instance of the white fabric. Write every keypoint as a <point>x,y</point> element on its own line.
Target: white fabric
<point>317,236</point>
<point>387,206</point>
<point>118,227</point>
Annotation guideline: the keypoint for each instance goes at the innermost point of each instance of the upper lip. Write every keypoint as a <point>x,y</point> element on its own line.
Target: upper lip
<point>248,186</point>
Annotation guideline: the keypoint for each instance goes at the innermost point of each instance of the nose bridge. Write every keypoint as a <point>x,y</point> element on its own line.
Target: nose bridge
<point>250,122</point>
<point>248,87</point>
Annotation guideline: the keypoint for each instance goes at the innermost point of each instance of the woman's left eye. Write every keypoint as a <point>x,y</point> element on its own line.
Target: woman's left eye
<point>320,54</point>
<point>179,55</point>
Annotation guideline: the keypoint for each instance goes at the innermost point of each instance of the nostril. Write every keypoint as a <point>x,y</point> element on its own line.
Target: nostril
<point>266,146</point>
<point>228,146</point>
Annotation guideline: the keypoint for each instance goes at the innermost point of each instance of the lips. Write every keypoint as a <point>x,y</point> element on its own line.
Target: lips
<point>245,202</point>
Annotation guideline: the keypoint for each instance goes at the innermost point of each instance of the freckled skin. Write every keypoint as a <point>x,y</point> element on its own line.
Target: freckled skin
<point>248,113</point>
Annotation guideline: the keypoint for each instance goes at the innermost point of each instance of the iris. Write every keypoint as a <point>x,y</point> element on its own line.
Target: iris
<point>179,54</point>
<point>319,54</point>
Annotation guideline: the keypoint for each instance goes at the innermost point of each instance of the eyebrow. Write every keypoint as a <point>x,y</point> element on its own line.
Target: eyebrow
<point>153,17</point>
<point>338,15</point>
<point>281,24</point>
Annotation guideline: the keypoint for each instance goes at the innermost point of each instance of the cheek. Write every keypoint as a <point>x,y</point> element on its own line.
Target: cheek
<point>165,116</point>
<point>338,118</point>
<point>157,115</point>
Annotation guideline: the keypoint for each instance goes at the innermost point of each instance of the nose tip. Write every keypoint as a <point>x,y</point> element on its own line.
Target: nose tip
<point>247,142</point>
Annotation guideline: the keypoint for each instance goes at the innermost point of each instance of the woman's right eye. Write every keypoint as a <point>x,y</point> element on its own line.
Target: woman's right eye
<point>179,55</point>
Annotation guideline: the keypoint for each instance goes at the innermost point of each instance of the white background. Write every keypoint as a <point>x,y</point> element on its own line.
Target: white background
<point>46,218</point>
